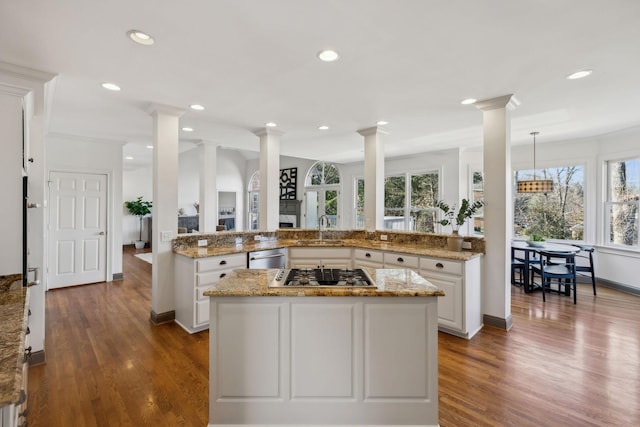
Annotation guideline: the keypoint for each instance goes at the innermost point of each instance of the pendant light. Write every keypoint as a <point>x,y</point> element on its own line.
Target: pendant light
<point>535,185</point>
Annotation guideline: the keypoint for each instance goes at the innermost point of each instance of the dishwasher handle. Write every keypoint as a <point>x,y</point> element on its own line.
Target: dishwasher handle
<point>253,258</point>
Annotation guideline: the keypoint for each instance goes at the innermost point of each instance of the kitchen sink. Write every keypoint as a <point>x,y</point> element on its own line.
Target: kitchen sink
<point>321,242</point>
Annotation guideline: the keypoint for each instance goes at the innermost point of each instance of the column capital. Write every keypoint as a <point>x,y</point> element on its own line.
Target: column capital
<point>372,131</point>
<point>155,109</point>
<point>268,132</point>
<point>508,101</point>
<point>205,143</point>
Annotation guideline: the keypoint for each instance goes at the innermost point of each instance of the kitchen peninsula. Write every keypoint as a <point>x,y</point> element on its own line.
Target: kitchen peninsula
<point>323,355</point>
<point>458,274</point>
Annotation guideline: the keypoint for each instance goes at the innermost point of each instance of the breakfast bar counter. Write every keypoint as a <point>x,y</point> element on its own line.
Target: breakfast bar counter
<point>321,356</point>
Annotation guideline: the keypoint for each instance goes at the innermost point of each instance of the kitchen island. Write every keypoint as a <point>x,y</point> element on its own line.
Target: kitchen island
<point>350,356</point>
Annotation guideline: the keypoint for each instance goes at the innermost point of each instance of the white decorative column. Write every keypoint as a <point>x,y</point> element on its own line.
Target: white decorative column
<point>373,178</point>
<point>208,213</point>
<point>269,212</point>
<point>498,215</point>
<point>165,209</point>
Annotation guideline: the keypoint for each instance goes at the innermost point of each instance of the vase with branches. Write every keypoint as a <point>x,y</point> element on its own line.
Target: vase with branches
<point>139,208</point>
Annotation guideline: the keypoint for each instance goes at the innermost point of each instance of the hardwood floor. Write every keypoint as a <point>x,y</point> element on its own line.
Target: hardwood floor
<point>560,365</point>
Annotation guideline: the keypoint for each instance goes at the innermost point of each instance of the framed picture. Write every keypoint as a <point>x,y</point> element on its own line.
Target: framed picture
<point>288,180</point>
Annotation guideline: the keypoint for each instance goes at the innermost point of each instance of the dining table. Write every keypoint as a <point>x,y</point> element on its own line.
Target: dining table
<point>529,256</point>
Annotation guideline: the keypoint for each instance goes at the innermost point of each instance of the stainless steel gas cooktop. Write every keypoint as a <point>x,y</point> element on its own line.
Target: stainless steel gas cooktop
<point>322,277</point>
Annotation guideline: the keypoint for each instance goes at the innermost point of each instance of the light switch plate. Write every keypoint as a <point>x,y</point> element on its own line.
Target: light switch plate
<point>165,236</point>
<point>383,237</point>
<point>257,237</point>
<point>203,242</point>
<point>466,245</point>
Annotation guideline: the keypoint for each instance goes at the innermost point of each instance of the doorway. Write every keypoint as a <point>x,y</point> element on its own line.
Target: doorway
<point>77,229</point>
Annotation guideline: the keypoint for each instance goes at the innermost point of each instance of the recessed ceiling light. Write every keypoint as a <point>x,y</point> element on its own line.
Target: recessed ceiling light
<point>150,147</point>
<point>111,86</point>
<point>196,107</point>
<point>328,55</point>
<point>140,37</point>
<point>468,101</point>
<point>187,129</point>
<point>129,158</point>
<point>323,127</point>
<point>579,74</point>
<point>270,125</point>
<point>382,123</point>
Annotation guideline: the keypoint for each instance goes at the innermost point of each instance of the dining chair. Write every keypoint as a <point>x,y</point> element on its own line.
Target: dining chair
<point>585,269</point>
<point>517,266</point>
<point>556,266</point>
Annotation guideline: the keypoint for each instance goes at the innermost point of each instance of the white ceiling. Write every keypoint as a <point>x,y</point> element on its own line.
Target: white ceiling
<point>409,62</point>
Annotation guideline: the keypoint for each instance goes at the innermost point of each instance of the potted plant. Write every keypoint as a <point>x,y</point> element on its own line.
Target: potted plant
<point>139,208</point>
<point>456,219</point>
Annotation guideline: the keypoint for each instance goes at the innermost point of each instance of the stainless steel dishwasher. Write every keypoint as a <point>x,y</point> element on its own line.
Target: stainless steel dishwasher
<point>268,258</point>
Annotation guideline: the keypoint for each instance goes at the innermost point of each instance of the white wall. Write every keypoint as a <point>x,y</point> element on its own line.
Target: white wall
<point>74,154</point>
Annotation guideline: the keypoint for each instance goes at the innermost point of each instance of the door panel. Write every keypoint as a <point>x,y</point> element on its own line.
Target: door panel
<point>77,228</point>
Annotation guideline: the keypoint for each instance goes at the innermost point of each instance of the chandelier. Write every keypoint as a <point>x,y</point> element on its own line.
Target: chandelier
<point>535,185</point>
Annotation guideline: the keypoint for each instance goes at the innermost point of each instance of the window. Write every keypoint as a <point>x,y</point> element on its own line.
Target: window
<point>623,193</point>
<point>322,193</point>
<point>555,215</point>
<point>254,200</point>
<point>409,200</point>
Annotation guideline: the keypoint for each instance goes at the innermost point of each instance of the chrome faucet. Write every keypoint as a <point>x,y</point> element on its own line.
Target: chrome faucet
<point>320,221</point>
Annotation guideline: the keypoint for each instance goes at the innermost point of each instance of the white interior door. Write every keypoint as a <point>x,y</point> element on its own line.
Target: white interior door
<point>77,229</point>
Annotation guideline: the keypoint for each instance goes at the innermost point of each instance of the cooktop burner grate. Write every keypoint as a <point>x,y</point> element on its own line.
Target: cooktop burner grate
<point>325,277</point>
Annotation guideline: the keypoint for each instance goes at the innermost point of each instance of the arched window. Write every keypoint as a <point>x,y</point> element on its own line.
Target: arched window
<point>322,193</point>
<point>254,200</point>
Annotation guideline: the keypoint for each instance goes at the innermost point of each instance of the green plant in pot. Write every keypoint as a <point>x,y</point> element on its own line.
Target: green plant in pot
<point>139,208</point>
<point>456,219</point>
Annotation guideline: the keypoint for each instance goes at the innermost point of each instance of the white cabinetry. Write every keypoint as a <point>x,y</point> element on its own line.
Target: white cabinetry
<point>193,277</point>
<point>459,311</point>
<point>367,258</point>
<point>394,260</point>
<point>323,361</point>
<point>312,257</point>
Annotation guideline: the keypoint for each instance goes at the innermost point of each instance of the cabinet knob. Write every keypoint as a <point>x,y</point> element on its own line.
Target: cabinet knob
<point>439,265</point>
<point>223,262</point>
<point>368,255</point>
<point>222,275</point>
<point>400,259</point>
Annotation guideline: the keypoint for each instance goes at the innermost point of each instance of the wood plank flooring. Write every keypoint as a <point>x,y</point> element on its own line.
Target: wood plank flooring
<point>560,365</point>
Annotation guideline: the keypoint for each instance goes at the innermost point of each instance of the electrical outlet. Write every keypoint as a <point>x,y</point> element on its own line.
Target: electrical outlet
<point>203,242</point>
<point>257,237</point>
<point>238,240</point>
<point>165,236</point>
<point>466,245</point>
<point>383,237</point>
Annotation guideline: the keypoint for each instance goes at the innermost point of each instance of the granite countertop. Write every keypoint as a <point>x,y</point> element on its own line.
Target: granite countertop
<point>14,315</point>
<point>208,251</point>
<point>397,282</point>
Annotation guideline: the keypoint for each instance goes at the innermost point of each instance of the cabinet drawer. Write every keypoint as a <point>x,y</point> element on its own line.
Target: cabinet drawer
<point>400,260</point>
<point>441,266</point>
<point>369,256</point>
<point>211,278</point>
<point>222,262</point>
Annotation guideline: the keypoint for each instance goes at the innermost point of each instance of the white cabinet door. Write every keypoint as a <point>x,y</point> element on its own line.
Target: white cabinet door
<point>450,310</point>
